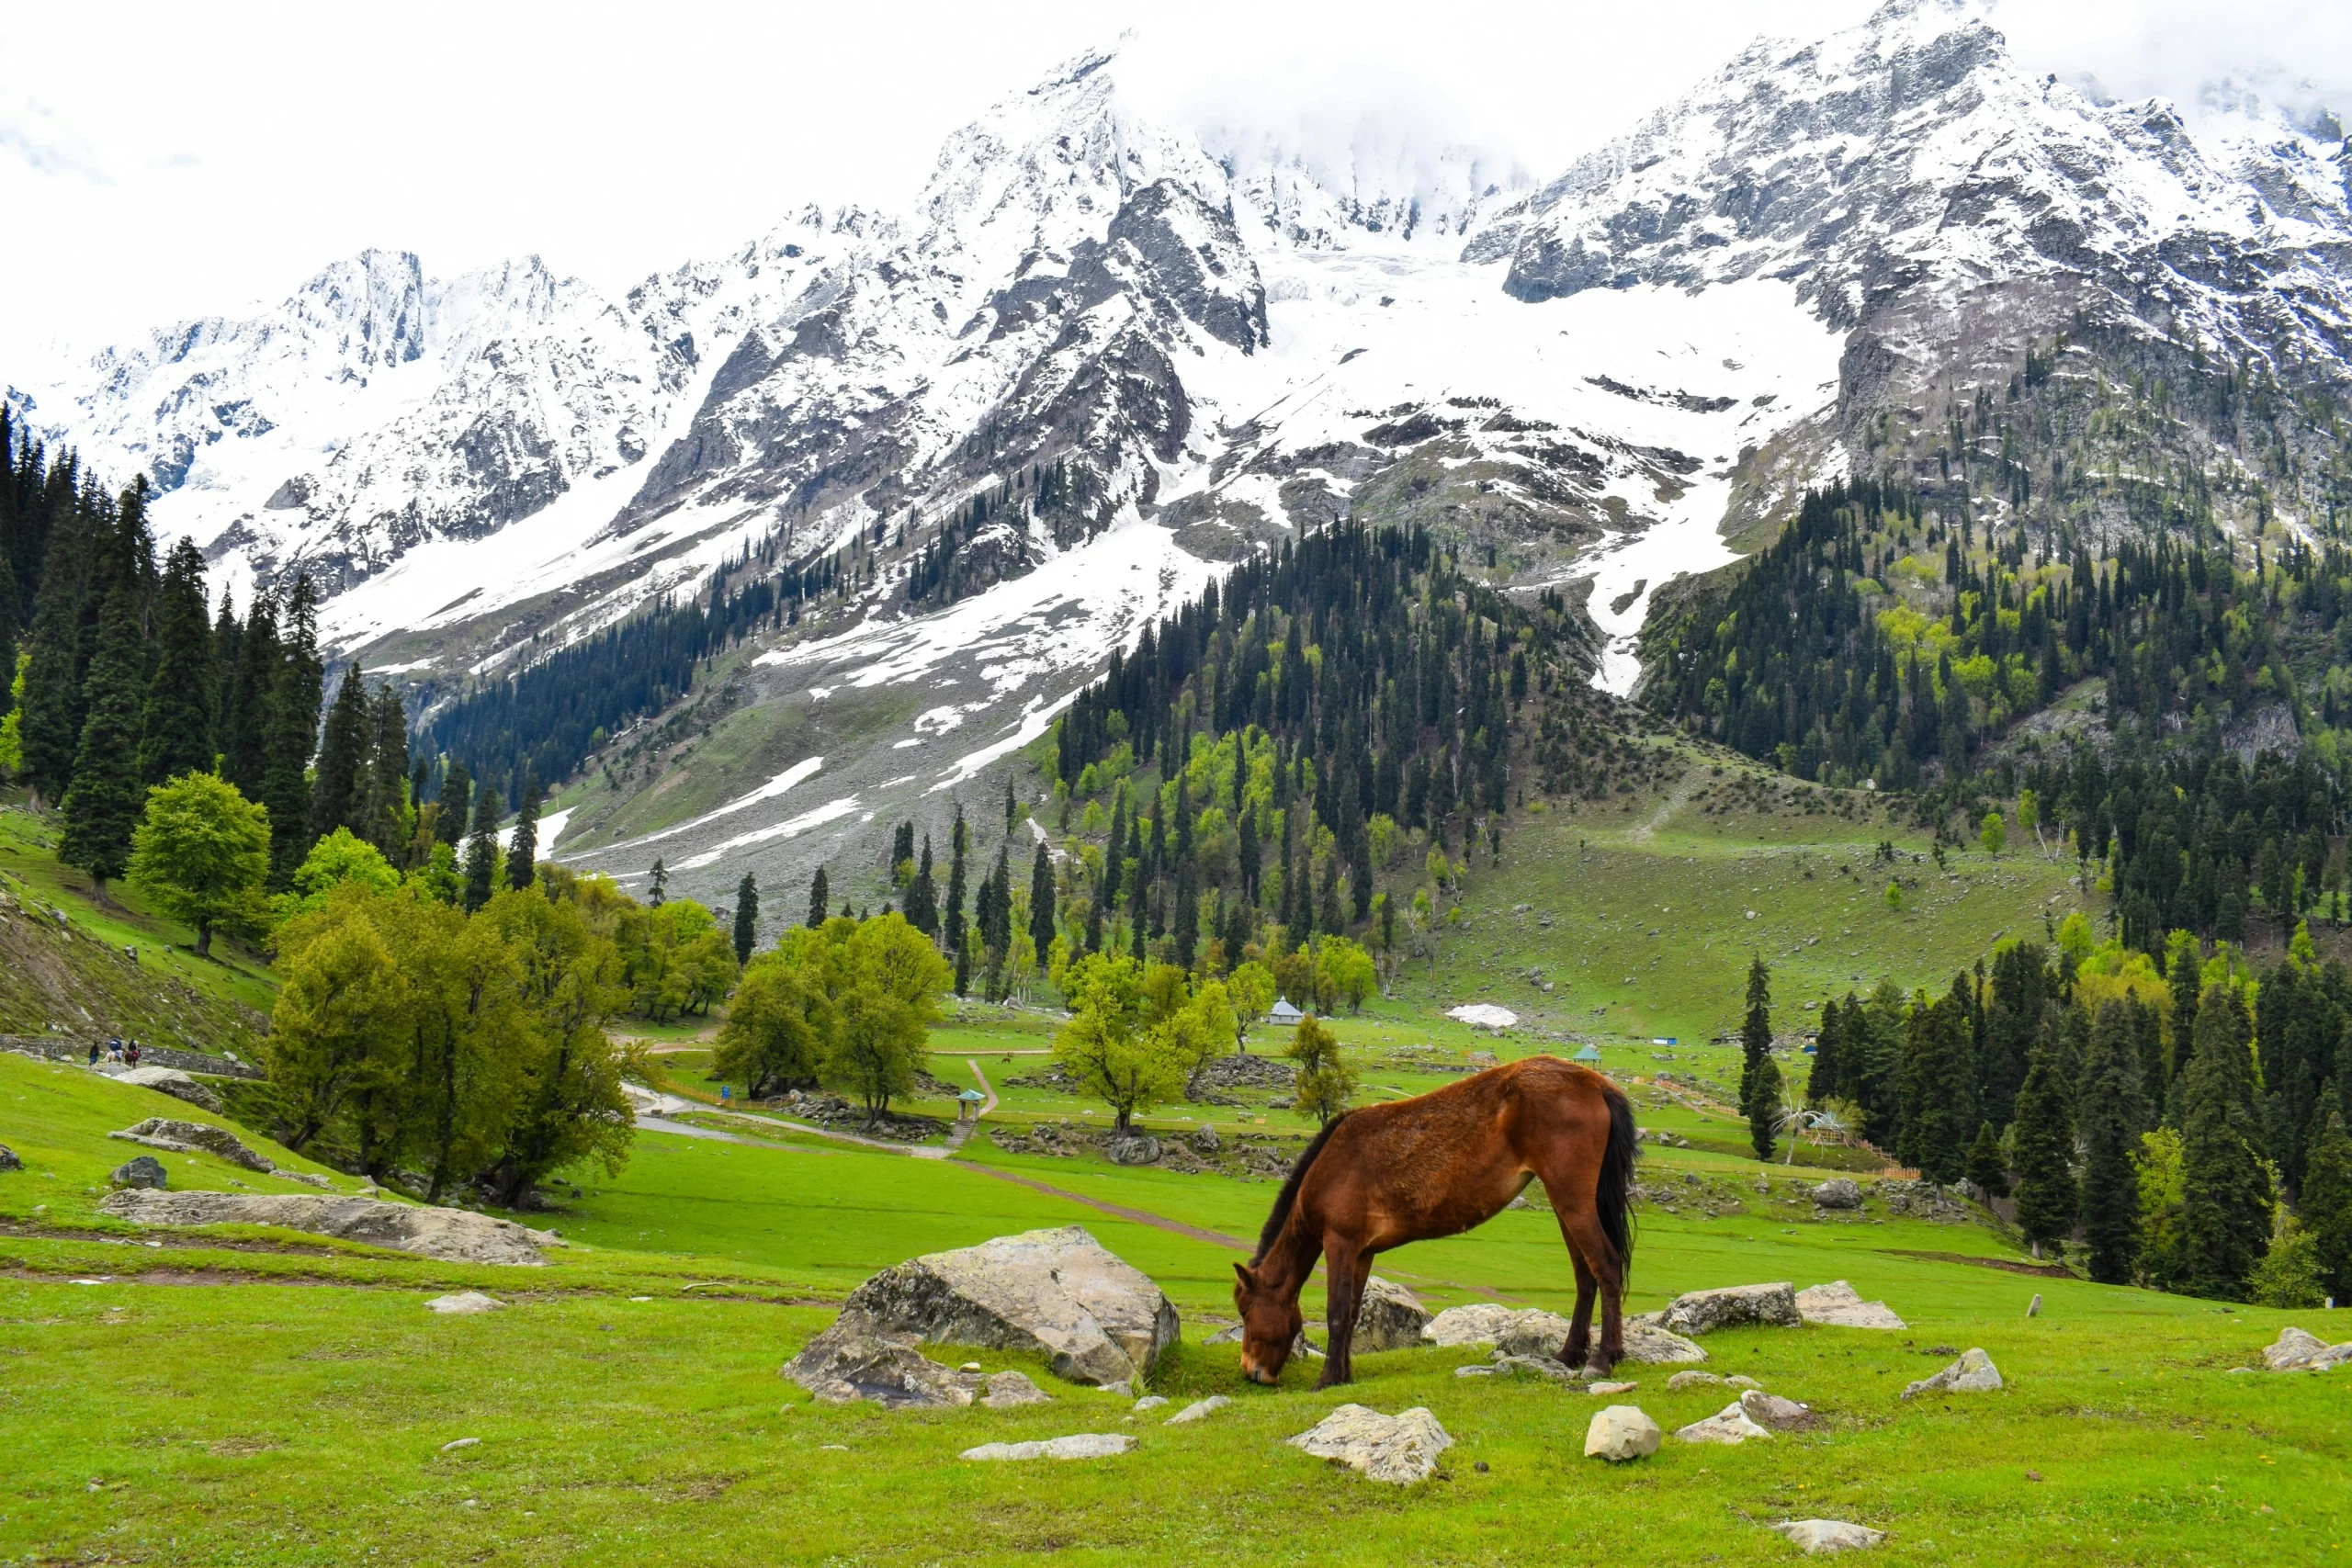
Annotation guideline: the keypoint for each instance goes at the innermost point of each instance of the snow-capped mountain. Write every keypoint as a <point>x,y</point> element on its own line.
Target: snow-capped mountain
<point>1209,339</point>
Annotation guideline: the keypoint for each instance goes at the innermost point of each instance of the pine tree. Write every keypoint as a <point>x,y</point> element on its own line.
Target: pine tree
<point>951,927</point>
<point>1185,932</point>
<point>1984,1167</point>
<point>1011,805</point>
<point>1941,1078</point>
<point>176,732</point>
<point>922,896</point>
<point>244,726</point>
<point>1760,1077</point>
<point>1248,854</point>
<point>343,758</point>
<point>292,728</point>
<point>1042,924</point>
<point>996,905</point>
<point>228,656</point>
<point>658,891</point>
<point>2328,1204</point>
<point>456,804</point>
<point>481,852</point>
<point>386,795</point>
<point>747,917</point>
<point>522,852</point>
<point>104,803</point>
<point>2225,1186</point>
<point>2047,1199</point>
<point>50,725</point>
<point>2109,1124</point>
<point>819,900</point>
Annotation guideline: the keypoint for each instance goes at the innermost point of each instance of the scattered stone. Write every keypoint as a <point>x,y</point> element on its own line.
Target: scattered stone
<point>1199,1410</point>
<point>140,1172</point>
<point>1150,1402</point>
<point>2033,1307</point>
<point>1681,1380</point>
<point>1732,1424</point>
<point>308,1178</point>
<point>1775,1413</point>
<point>1820,1537</point>
<point>465,1304</point>
<point>969,1367</point>
<point>1621,1433</point>
<point>1536,1333</point>
<point>1207,1142</point>
<point>174,1082</point>
<point>1839,1305</point>
<point>1136,1148</point>
<point>1391,1318</point>
<point>1973,1374</point>
<point>1548,1366</point>
<point>1081,1445</point>
<point>1399,1450</point>
<point>1605,1388</point>
<point>193,1137</point>
<point>1704,1311</point>
<point>1009,1389</point>
<point>1838,1192</point>
<point>844,1368</point>
<point>8,1160</point>
<point>1741,1380</point>
<point>2300,1351</point>
<point>1475,1371</point>
<point>1653,1346</point>
<point>451,1236</point>
<point>1097,1319</point>
<point>462,1443</point>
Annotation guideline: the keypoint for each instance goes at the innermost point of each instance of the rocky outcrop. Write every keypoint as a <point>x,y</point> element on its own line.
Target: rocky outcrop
<point>194,1137</point>
<point>1973,1374</point>
<point>2299,1351</point>
<point>1060,1292</point>
<point>1391,1318</point>
<point>1839,1305</point>
<point>1399,1450</point>
<point>1735,1306</point>
<point>452,1235</point>
<point>1620,1433</point>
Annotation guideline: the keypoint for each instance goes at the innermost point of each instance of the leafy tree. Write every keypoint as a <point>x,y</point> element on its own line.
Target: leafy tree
<point>2108,1125</point>
<point>176,730</point>
<point>2048,1200</point>
<point>2225,1186</point>
<point>523,849</point>
<point>103,804</point>
<point>1250,989</point>
<point>12,733</point>
<point>884,996</point>
<point>779,1027</point>
<point>2327,1206</point>
<point>1993,834</point>
<point>2162,1259</point>
<point>1984,1167</point>
<point>202,853</point>
<point>747,917</point>
<point>2289,1274</point>
<point>1111,1044</point>
<point>1348,970</point>
<point>1325,1081</point>
<point>336,1028</point>
<point>1759,1077</point>
<point>340,857</point>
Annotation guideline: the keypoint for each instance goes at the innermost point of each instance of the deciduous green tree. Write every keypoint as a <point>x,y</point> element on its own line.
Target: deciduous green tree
<point>202,853</point>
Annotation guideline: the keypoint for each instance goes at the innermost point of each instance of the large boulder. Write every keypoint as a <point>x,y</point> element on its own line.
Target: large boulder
<point>1400,1448</point>
<point>1391,1318</point>
<point>1648,1343</point>
<point>174,1082</point>
<point>1480,1323</point>
<point>142,1171</point>
<point>844,1368</point>
<point>452,1235</point>
<point>178,1138</point>
<point>1133,1148</point>
<point>1061,1293</point>
<point>2299,1351</point>
<point>1839,1305</point>
<point>1620,1432</point>
<point>1838,1192</point>
<point>1973,1374</point>
<point>1734,1306</point>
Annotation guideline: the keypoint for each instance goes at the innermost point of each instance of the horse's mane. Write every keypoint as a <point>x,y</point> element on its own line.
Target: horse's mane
<point>1288,1196</point>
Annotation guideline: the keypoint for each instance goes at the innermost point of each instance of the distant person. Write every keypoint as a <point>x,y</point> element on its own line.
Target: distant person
<point>132,1054</point>
<point>94,1052</point>
<point>724,1094</point>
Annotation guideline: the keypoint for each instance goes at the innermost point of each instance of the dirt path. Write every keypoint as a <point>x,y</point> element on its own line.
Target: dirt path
<point>965,1127</point>
<point>1674,802</point>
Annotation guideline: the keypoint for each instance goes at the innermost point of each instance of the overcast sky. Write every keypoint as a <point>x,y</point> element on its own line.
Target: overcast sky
<point>165,161</point>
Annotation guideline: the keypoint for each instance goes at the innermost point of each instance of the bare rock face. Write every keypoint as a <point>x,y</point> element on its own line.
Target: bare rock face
<point>1060,1291</point>
<point>844,1368</point>
<point>452,1235</point>
<point>1973,1374</point>
<point>2299,1351</point>
<point>1621,1433</point>
<point>193,1137</point>
<point>1391,1318</point>
<point>1399,1450</point>
<point>1704,1311</point>
<point>1818,1537</point>
<point>1839,1305</point>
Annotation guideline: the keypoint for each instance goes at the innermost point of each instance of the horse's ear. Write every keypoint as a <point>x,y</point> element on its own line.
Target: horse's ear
<point>1248,1280</point>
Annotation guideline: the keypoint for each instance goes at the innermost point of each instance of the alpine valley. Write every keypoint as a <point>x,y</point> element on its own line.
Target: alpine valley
<point>817,533</point>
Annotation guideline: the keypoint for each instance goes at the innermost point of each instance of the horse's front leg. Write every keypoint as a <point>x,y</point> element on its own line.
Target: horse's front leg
<point>1345,1267</point>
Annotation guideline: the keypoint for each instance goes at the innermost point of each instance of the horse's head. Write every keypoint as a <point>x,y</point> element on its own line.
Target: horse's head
<point>1271,1322</point>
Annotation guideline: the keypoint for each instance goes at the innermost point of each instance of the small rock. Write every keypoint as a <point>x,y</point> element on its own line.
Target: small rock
<point>1199,1410</point>
<point>2033,1307</point>
<point>8,1160</point>
<point>1741,1380</point>
<point>1838,1192</point>
<point>1475,1371</point>
<point>1136,1148</point>
<point>1821,1536</point>
<point>1775,1413</point>
<point>464,1303</point>
<point>1620,1433</point>
<point>1839,1305</point>
<point>145,1170</point>
<point>1973,1374</point>
<point>2300,1351</point>
<point>1653,1346</point>
<point>1009,1389</point>
<point>1080,1445</point>
<point>462,1443</point>
<point>1606,1388</point>
<point>1681,1380</point>
<point>1399,1450</point>
<point>1729,1425</point>
<point>969,1367</point>
<point>1205,1141</point>
<point>843,1365</point>
<point>1150,1402</point>
<point>1546,1367</point>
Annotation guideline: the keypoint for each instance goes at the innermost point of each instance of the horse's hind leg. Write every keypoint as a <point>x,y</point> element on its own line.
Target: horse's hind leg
<point>1345,1268</point>
<point>1581,1222</point>
<point>1580,1343</point>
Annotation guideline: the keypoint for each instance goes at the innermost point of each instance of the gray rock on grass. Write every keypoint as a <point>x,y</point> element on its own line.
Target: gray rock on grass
<point>1681,1380</point>
<point>179,1137</point>
<point>1060,1292</point>
<point>1838,1192</point>
<point>8,1160</point>
<point>1973,1374</point>
<point>174,1082</point>
<point>1734,1306</point>
<point>1199,1410</point>
<point>1399,1449</point>
<point>451,1236</point>
<point>1620,1433</point>
<point>2299,1351</point>
<point>1136,1148</point>
<point>1839,1305</point>
<point>1539,1335</point>
<point>1732,1425</point>
<point>1391,1318</point>
<point>1078,1445</point>
<point>465,1304</point>
<point>1008,1390</point>
<point>1774,1414</point>
<point>844,1369</point>
<point>1150,1402</point>
<point>141,1171</point>
<point>1818,1537</point>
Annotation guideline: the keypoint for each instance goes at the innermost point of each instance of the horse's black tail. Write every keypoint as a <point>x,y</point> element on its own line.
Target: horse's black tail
<point>1614,1198</point>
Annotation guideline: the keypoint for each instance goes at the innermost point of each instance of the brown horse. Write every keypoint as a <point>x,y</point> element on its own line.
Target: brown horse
<point>1437,1164</point>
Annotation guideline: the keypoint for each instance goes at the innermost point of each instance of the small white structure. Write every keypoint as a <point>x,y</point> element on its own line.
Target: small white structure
<point>1283,1012</point>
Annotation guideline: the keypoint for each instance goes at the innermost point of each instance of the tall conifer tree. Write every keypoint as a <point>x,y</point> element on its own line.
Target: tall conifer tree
<point>2048,1200</point>
<point>50,727</point>
<point>1041,903</point>
<point>523,852</point>
<point>481,850</point>
<point>820,901</point>
<point>456,804</point>
<point>385,792</point>
<point>291,727</point>
<point>177,729</point>
<point>1760,1077</point>
<point>102,806</point>
<point>244,728</point>
<point>335,783</point>
<point>2107,1124</point>
<point>747,917</point>
<point>2225,1186</point>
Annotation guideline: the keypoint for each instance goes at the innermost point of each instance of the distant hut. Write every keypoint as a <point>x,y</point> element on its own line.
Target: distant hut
<point>1589,1053</point>
<point>1283,1012</point>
